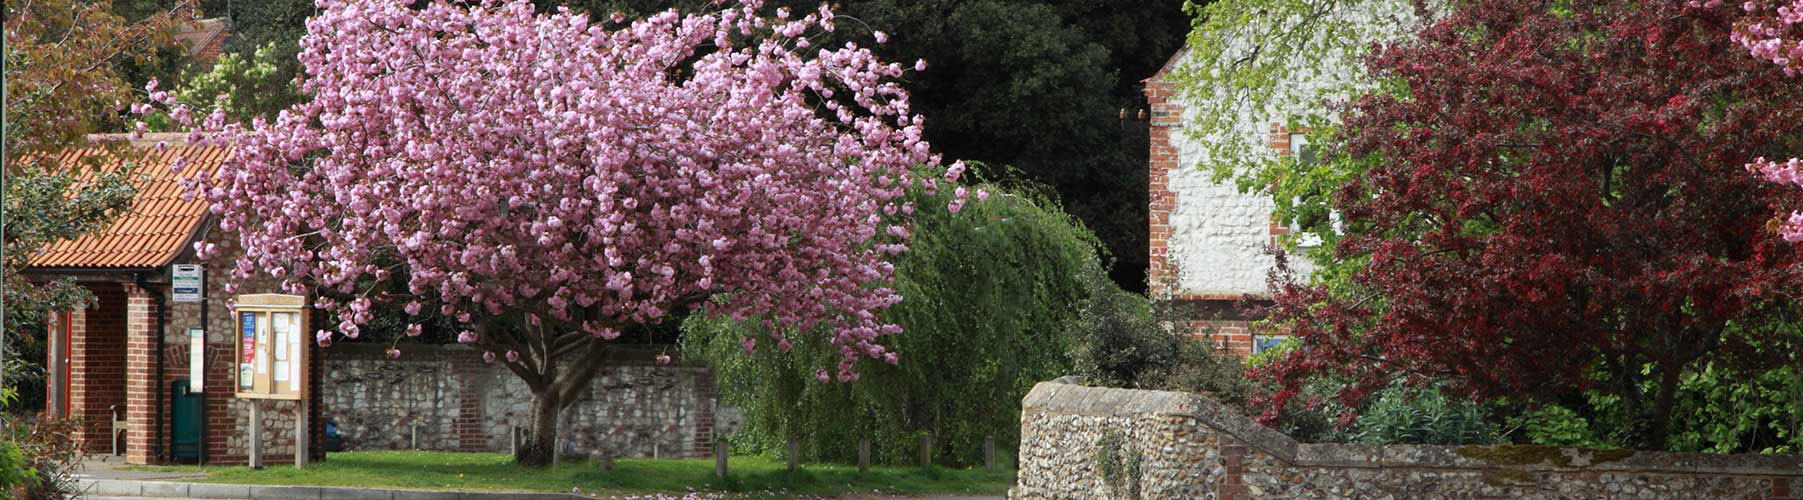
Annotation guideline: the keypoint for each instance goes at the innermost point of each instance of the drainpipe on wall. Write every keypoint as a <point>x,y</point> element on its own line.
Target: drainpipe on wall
<point>204,334</point>
<point>162,327</point>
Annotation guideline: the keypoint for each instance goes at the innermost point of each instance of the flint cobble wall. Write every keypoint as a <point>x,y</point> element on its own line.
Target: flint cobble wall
<point>634,408</point>
<point>1085,442</point>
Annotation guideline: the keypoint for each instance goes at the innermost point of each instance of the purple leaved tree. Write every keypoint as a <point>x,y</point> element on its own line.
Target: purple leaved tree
<point>550,182</point>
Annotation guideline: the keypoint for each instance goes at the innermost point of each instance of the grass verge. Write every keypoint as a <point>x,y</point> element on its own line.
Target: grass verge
<point>749,477</point>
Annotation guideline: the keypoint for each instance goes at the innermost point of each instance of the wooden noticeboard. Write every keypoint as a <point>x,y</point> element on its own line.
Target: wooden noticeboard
<point>272,346</point>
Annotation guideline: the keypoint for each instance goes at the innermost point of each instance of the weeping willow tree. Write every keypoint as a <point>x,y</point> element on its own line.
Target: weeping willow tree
<point>989,293</point>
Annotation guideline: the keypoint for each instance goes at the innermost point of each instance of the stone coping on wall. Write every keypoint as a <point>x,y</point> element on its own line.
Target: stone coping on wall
<point>1065,399</point>
<point>616,355</point>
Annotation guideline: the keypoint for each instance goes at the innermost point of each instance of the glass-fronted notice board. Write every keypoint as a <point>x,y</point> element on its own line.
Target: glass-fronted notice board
<point>272,354</point>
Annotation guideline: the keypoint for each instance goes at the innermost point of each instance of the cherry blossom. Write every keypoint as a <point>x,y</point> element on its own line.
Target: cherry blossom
<point>550,181</point>
<point>1773,31</point>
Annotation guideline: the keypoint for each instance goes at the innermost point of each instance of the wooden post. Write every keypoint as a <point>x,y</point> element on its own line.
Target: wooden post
<point>794,453</point>
<point>413,437</point>
<point>513,440</point>
<point>256,435</point>
<point>926,450</point>
<point>863,455</point>
<point>58,357</point>
<point>720,460</point>
<point>300,433</point>
<point>989,453</point>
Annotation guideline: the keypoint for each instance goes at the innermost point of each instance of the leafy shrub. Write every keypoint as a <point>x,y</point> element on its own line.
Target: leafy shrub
<point>15,473</point>
<point>1724,412</point>
<point>1716,410</point>
<point>1121,339</point>
<point>1416,415</point>
<point>988,295</point>
<point>1558,426</point>
<point>47,452</point>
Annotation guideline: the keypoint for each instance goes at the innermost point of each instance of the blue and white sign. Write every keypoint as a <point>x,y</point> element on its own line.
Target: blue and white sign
<point>186,284</point>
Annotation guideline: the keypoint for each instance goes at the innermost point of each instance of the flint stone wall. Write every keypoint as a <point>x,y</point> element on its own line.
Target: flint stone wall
<point>1184,446</point>
<point>634,408</point>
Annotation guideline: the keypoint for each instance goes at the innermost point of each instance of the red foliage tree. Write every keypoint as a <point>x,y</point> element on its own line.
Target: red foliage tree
<point>1555,198</point>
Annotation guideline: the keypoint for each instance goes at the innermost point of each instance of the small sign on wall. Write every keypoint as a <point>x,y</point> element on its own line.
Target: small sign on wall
<point>185,284</point>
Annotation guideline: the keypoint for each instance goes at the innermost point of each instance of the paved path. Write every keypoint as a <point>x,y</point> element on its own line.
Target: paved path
<point>113,467</point>
<point>105,477</point>
<point>140,489</point>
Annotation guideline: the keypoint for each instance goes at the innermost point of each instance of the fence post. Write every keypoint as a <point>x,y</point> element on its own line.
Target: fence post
<point>794,453</point>
<point>256,435</point>
<point>300,433</point>
<point>989,453</point>
<point>720,460</point>
<point>926,450</point>
<point>863,455</point>
<point>413,437</point>
<point>513,440</point>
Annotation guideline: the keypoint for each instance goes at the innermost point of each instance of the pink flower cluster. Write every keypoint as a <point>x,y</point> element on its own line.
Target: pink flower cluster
<point>1789,173</point>
<point>1771,31</point>
<point>580,177</point>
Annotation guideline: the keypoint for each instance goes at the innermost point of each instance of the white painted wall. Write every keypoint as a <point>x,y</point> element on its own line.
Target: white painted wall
<point>1220,236</point>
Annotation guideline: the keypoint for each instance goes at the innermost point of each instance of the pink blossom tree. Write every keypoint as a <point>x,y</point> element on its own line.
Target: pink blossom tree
<point>1773,31</point>
<point>551,182</point>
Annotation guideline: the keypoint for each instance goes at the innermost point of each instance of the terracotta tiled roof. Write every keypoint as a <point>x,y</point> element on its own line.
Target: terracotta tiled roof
<point>157,227</point>
<point>204,38</point>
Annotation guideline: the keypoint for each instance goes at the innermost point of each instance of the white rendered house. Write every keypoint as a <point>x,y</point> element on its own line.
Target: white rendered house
<point>1210,242</point>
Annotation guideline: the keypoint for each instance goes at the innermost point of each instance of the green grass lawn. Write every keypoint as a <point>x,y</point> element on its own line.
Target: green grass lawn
<point>749,477</point>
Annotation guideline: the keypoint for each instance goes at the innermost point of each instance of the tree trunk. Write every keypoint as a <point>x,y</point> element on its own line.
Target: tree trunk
<point>541,437</point>
<point>1660,427</point>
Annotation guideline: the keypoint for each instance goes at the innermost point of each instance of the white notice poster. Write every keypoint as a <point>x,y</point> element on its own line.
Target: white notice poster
<point>281,371</point>
<point>289,349</point>
<point>262,339</point>
<point>197,356</point>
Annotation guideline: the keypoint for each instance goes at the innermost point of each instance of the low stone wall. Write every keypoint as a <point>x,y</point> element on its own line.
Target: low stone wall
<point>634,409</point>
<point>1085,442</point>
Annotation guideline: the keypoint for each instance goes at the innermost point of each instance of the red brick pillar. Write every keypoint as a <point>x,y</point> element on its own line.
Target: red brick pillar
<point>1167,115</point>
<point>140,374</point>
<point>1232,485</point>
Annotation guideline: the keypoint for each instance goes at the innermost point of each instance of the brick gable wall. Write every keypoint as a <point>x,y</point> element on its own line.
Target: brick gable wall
<point>1228,327</point>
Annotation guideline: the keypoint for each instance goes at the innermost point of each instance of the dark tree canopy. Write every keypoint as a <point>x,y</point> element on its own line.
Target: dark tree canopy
<point>1556,202</point>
